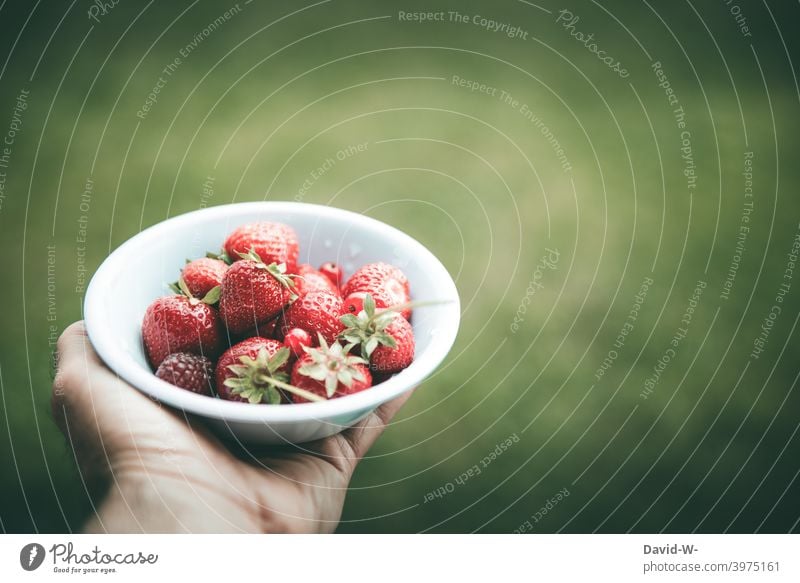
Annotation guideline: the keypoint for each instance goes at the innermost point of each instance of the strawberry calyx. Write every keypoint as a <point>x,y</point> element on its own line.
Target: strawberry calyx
<point>211,297</point>
<point>276,270</point>
<point>332,365</point>
<point>368,328</point>
<point>259,378</point>
<point>222,256</point>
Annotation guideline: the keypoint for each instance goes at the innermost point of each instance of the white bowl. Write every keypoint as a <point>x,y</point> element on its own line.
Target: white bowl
<point>138,272</point>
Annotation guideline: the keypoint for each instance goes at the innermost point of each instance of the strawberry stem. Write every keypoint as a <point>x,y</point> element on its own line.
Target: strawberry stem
<point>260,377</point>
<point>367,328</point>
<point>295,390</point>
<point>411,305</point>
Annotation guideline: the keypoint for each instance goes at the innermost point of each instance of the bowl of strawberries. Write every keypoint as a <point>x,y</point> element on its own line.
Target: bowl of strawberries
<point>276,322</point>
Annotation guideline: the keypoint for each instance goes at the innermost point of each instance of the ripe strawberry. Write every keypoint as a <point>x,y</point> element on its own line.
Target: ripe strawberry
<point>317,313</point>
<point>333,272</point>
<point>273,242</point>
<point>385,337</point>
<point>390,359</point>
<point>295,340</point>
<point>180,324</point>
<point>247,372</point>
<point>309,279</point>
<point>202,275</point>
<point>329,372</point>
<point>252,293</point>
<point>387,285</point>
<point>187,371</point>
<point>264,330</point>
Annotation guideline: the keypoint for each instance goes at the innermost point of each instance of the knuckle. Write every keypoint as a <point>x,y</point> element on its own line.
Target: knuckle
<point>70,332</point>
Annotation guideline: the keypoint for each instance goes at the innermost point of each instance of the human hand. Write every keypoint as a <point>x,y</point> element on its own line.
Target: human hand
<point>165,472</point>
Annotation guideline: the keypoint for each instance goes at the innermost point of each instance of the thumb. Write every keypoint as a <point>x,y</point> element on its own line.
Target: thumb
<point>72,401</point>
<point>344,450</point>
<point>75,360</point>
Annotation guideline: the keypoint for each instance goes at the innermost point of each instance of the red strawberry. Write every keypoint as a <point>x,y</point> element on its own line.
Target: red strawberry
<point>273,242</point>
<point>295,340</point>
<point>329,372</point>
<point>389,359</point>
<point>202,275</point>
<point>309,279</point>
<point>180,324</point>
<point>253,293</point>
<point>265,330</point>
<point>247,372</point>
<point>385,337</point>
<point>387,285</point>
<point>187,371</point>
<point>333,272</point>
<point>317,312</point>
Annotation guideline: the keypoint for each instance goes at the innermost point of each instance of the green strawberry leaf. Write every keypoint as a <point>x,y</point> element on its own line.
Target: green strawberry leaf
<point>278,271</point>
<point>273,396</point>
<point>278,360</point>
<point>235,383</point>
<point>369,305</point>
<point>252,256</point>
<point>349,320</point>
<point>212,297</point>
<point>315,371</point>
<point>331,382</point>
<point>184,288</point>
<point>222,256</point>
<point>345,377</point>
<point>352,338</point>
<point>359,375</point>
<point>383,318</point>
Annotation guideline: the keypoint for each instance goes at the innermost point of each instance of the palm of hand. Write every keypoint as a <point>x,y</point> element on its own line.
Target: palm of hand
<point>159,458</point>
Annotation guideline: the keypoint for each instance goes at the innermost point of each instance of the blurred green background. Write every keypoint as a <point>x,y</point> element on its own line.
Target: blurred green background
<point>557,152</point>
